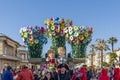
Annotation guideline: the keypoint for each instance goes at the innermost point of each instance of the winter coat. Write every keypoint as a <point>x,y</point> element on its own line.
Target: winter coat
<point>116,75</point>
<point>7,75</point>
<point>104,75</point>
<point>25,74</point>
<point>84,77</point>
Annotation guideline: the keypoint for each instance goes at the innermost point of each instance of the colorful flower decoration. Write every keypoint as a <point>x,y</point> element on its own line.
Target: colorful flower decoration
<point>78,38</point>
<point>34,38</point>
<point>79,33</point>
<point>55,27</point>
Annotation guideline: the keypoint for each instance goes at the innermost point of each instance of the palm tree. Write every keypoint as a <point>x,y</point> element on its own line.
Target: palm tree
<point>101,46</point>
<point>92,46</point>
<point>111,41</point>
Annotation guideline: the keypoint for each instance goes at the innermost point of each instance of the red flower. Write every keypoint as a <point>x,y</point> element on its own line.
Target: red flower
<point>57,33</point>
<point>76,41</point>
<point>69,42</point>
<point>42,30</point>
<point>91,30</point>
<point>71,23</point>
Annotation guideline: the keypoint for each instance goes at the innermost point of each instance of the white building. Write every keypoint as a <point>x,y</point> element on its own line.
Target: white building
<point>106,58</point>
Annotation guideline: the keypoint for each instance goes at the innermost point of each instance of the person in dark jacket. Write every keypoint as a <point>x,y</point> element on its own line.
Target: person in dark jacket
<point>7,74</point>
<point>89,74</point>
<point>63,73</point>
<point>54,74</point>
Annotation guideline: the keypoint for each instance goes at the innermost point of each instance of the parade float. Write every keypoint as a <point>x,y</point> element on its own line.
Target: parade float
<point>59,31</point>
<point>55,31</point>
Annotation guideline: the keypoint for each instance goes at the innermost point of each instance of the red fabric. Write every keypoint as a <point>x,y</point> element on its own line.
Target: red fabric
<point>84,77</point>
<point>51,61</point>
<point>104,75</point>
<point>59,71</point>
<point>74,76</point>
<point>25,74</point>
<point>116,74</point>
<point>14,74</point>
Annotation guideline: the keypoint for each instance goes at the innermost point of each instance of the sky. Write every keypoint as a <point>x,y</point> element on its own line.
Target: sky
<point>102,15</point>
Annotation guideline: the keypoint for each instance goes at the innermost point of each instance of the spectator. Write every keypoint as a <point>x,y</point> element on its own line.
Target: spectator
<point>104,75</point>
<point>116,75</point>
<point>25,74</point>
<point>7,74</point>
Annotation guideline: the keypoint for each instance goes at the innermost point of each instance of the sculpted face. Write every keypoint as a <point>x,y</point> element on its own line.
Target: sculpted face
<point>51,55</point>
<point>61,53</point>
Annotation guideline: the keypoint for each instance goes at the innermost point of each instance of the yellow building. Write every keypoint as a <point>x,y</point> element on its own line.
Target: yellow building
<point>8,52</point>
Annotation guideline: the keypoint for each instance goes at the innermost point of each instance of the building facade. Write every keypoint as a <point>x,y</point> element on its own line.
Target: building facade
<point>23,55</point>
<point>8,52</point>
<point>106,58</point>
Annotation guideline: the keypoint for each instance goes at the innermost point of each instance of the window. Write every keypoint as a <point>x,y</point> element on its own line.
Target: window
<point>6,48</point>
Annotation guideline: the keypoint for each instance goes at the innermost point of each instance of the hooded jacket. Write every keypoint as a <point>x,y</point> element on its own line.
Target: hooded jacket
<point>25,74</point>
<point>7,75</point>
<point>104,75</point>
<point>116,75</point>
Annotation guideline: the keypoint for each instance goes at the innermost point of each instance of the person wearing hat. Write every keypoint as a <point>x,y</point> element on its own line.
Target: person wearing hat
<point>25,74</point>
<point>63,72</point>
<point>7,74</point>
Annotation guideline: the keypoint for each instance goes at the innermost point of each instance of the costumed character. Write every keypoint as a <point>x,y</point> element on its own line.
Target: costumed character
<point>61,58</point>
<point>63,72</point>
<point>51,61</point>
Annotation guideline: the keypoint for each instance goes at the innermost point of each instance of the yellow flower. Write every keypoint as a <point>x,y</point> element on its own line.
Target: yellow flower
<point>86,34</point>
<point>52,27</point>
<point>66,35</point>
<point>62,27</point>
<point>75,28</point>
<point>52,22</point>
<point>25,35</point>
<point>49,34</point>
<point>47,22</point>
<point>31,42</point>
<point>81,37</point>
